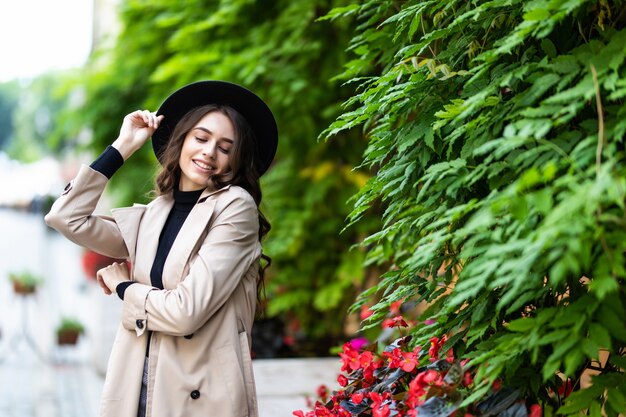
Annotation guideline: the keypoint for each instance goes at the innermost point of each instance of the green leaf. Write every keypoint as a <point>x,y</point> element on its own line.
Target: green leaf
<point>522,325</point>
<point>616,400</point>
<point>548,47</point>
<point>612,322</point>
<point>603,285</point>
<point>599,334</point>
<point>581,400</point>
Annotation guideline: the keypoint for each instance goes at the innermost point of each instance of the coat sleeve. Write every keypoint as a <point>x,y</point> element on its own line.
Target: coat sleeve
<point>72,215</point>
<point>229,249</point>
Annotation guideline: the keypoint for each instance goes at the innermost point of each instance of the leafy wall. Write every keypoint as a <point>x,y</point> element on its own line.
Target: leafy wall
<point>496,135</point>
<point>278,50</point>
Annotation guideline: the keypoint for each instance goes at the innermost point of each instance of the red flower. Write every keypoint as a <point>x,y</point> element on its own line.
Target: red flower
<point>410,360</point>
<point>419,384</point>
<point>394,308</point>
<point>435,346</point>
<point>350,358</point>
<point>343,381</point>
<point>429,376</point>
<point>365,312</point>
<point>394,358</point>
<point>397,321</point>
<point>366,358</point>
<point>467,379</point>
<point>566,388</point>
<point>381,411</point>
<point>535,411</point>
<point>322,392</point>
<point>357,397</point>
<point>353,360</point>
<point>450,356</point>
<point>378,408</point>
<point>368,371</point>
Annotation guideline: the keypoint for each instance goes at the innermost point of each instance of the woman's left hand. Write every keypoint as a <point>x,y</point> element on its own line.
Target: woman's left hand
<point>111,276</point>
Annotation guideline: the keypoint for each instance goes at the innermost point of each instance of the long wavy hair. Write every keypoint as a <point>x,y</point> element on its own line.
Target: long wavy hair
<point>243,171</point>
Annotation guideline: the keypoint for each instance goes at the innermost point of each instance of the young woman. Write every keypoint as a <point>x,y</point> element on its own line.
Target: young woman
<point>189,299</point>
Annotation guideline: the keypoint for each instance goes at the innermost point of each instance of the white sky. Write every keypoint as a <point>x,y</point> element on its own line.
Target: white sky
<point>41,35</point>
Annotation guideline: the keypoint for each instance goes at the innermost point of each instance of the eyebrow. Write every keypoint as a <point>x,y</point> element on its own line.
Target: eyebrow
<point>211,133</point>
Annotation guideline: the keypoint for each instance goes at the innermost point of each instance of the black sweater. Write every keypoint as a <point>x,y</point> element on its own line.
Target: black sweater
<point>108,163</point>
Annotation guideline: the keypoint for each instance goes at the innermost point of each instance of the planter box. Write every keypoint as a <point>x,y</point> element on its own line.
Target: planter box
<point>67,338</point>
<point>22,289</point>
<point>283,385</point>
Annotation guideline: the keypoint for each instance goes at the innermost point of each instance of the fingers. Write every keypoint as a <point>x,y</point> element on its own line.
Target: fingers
<point>146,118</point>
<point>106,289</point>
<point>150,118</point>
<point>109,276</point>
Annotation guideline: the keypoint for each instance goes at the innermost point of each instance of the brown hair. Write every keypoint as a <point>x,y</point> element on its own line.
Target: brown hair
<point>243,171</point>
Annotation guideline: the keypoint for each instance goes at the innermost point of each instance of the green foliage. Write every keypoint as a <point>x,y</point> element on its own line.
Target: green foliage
<point>41,118</point>
<point>70,324</point>
<point>26,278</point>
<point>279,51</point>
<point>496,135</point>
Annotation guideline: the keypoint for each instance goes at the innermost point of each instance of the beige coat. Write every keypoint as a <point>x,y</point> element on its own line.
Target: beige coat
<point>201,322</point>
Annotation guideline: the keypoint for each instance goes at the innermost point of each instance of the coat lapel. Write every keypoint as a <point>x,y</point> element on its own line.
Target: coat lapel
<point>149,232</point>
<point>128,220</point>
<point>188,237</point>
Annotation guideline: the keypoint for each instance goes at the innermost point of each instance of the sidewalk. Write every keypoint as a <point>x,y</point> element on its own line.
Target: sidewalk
<point>32,388</point>
<point>40,379</point>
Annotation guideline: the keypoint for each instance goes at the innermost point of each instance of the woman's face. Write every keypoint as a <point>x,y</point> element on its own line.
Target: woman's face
<point>206,151</point>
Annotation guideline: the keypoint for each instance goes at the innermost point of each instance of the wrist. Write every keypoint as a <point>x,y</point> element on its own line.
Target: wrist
<point>125,148</point>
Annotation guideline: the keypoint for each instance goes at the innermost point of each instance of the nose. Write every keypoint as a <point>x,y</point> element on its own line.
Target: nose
<point>209,150</point>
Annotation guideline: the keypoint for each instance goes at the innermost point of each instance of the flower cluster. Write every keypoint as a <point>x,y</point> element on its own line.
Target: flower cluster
<point>405,381</point>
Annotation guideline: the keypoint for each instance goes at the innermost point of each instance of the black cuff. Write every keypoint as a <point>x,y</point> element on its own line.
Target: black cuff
<point>121,288</point>
<point>109,161</point>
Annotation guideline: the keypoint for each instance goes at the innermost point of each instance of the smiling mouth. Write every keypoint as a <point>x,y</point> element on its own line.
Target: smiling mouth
<point>203,166</point>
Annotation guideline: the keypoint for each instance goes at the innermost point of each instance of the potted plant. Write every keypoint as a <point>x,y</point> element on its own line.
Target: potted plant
<point>25,283</point>
<point>68,331</point>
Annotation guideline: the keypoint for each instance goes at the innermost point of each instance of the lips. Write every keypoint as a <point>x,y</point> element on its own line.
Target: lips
<point>203,165</point>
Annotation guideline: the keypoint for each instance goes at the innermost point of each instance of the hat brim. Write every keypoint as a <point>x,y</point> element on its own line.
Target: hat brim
<point>249,105</point>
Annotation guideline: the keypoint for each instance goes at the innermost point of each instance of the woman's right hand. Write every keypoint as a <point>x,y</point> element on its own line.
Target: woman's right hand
<point>136,128</point>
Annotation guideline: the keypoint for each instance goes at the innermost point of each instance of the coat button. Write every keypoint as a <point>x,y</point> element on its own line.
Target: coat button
<point>68,187</point>
<point>139,324</point>
<point>188,336</point>
<point>195,394</point>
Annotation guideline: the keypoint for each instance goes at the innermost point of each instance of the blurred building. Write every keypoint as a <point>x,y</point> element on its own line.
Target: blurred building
<point>106,25</point>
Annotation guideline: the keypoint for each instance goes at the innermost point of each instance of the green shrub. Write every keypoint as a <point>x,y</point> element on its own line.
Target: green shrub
<point>496,136</point>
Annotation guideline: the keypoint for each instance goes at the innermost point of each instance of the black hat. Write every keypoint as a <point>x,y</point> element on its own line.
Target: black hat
<point>249,105</point>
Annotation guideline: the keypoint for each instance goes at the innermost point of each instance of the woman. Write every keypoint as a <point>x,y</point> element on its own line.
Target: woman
<point>183,346</point>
